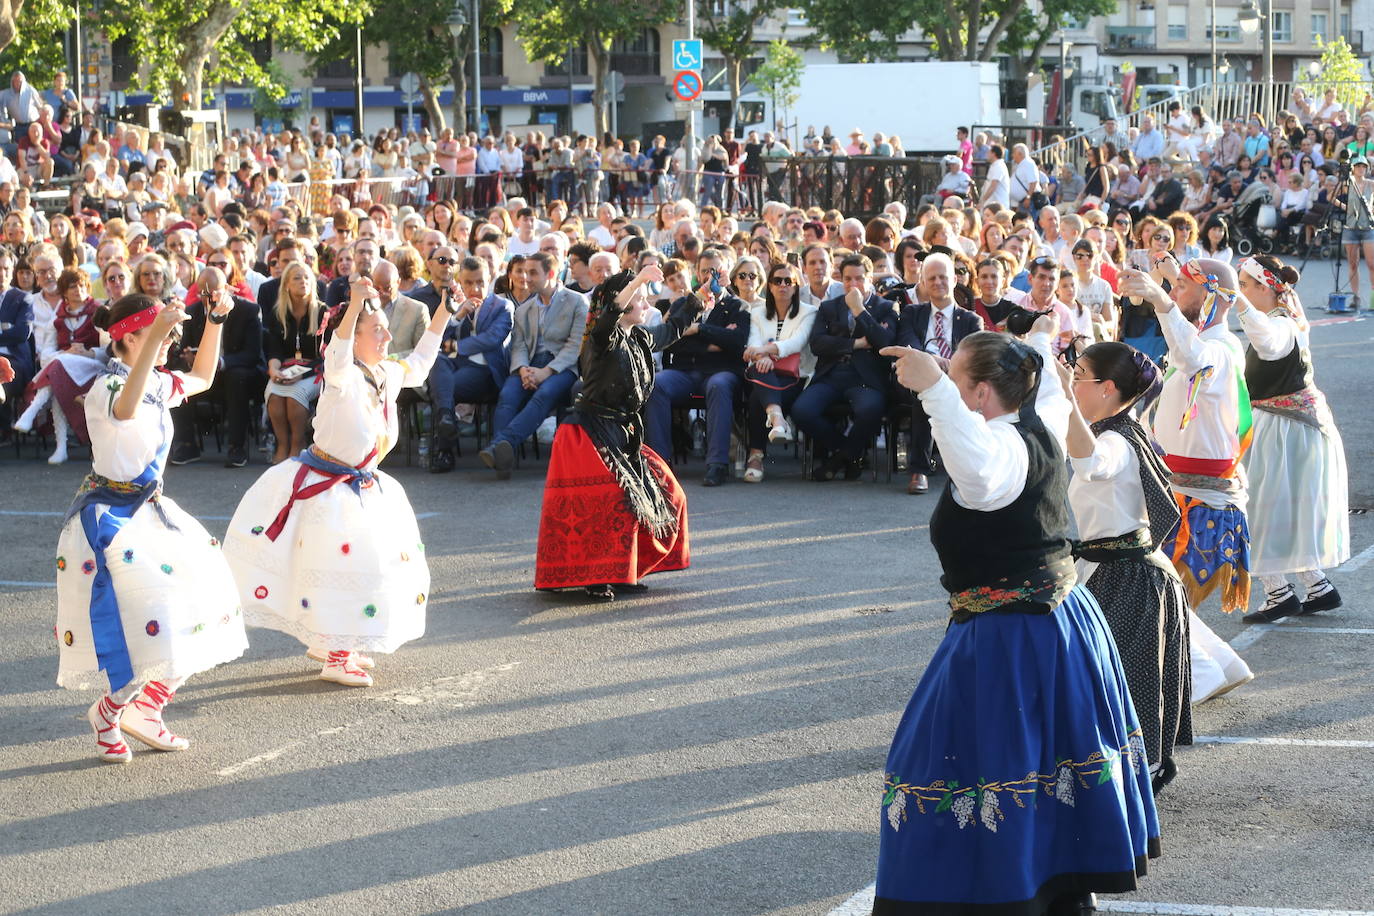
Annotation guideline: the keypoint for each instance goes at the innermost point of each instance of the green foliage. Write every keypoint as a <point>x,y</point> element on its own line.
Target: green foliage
<point>37,48</point>
<point>860,30</point>
<point>546,30</point>
<point>780,74</point>
<point>267,97</point>
<point>191,45</point>
<point>1338,69</point>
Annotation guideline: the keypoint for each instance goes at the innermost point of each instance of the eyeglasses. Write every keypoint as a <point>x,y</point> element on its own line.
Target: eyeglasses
<point>781,281</point>
<point>746,275</point>
<point>440,259</point>
<point>1161,237</point>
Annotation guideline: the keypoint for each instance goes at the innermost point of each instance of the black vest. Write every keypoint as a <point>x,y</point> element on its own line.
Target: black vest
<point>982,548</point>
<point>1269,378</point>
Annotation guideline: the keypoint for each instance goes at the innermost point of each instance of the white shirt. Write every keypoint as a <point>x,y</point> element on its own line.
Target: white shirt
<point>512,161</point>
<point>1272,336</point>
<point>122,449</point>
<point>1105,493</point>
<point>1024,177</point>
<point>987,459</point>
<point>516,245</point>
<point>835,288</point>
<point>1094,294</point>
<point>349,422</point>
<point>602,236</point>
<point>45,333</point>
<point>997,171</point>
<point>1212,433</point>
<point>932,347</point>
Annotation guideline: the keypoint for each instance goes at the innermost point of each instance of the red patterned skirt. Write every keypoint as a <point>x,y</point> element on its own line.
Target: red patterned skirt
<point>587,533</point>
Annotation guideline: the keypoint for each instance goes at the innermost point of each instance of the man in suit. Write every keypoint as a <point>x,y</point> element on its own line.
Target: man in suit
<point>545,344</point>
<point>440,264</point>
<point>936,327</point>
<point>473,360</point>
<point>288,249</point>
<point>708,359</point>
<point>406,318</point>
<point>365,254</point>
<point>241,376</point>
<point>848,333</point>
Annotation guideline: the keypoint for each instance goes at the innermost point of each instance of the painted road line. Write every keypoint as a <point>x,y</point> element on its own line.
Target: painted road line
<point>861,904</point>
<point>37,514</point>
<point>1339,631</point>
<point>1283,742</point>
<point>1358,560</point>
<point>1251,635</point>
<point>1194,909</point>
<point>1322,322</point>
<point>11,583</point>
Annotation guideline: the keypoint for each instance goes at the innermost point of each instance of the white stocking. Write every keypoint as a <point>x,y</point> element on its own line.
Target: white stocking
<point>126,693</point>
<point>40,401</point>
<point>60,430</point>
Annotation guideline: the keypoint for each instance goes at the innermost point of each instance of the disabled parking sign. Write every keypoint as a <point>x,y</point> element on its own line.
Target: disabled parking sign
<point>687,54</point>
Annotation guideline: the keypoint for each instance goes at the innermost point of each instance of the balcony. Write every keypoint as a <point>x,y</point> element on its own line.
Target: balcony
<point>633,63</point>
<point>1131,37</point>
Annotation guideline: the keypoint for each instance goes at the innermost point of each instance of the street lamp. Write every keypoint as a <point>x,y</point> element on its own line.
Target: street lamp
<point>1251,18</point>
<point>1065,45</point>
<point>456,22</point>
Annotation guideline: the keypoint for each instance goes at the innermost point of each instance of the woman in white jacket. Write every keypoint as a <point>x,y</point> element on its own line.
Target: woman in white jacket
<point>780,361</point>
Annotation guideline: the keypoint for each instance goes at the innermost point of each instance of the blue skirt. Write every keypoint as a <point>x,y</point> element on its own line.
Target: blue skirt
<point>1018,772</point>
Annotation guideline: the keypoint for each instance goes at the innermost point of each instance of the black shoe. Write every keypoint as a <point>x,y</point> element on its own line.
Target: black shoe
<point>238,457</point>
<point>447,426</point>
<point>503,458</point>
<point>1326,602</point>
<point>1288,607</point>
<point>184,453</point>
<point>833,465</point>
<point>601,592</point>
<point>627,588</point>
<point>1167,771</point>
<point>716,474</point>
<point>441,461</point>
<point>854,469</point>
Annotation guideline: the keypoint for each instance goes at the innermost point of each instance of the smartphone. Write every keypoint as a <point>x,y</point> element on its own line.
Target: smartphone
<point>715,283</point>
<point>794,259</point>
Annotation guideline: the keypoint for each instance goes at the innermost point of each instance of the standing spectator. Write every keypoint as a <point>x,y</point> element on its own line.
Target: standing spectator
<point>1150,142</point>
<point>21,104</point>
<point>965,149</point>
<point>997,183</point>
<point>1025,178</point>
<point>60,96</point>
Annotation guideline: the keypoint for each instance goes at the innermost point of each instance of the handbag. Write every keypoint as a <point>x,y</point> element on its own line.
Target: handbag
<point>788,366</point>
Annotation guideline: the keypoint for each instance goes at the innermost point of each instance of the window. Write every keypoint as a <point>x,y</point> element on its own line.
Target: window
<point>1283,25</point>
<point>1178,23</point>
<point>1228,26</point>
<point>123,64</point>
<point>637,56</point>
<point>1319,25</point>
<point>493,53</point>
<point>574,62</point>
<point>796,18</point>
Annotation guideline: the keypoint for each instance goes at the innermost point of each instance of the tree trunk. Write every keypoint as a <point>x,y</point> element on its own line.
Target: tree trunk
<point>9,30</point>
<point>1003,22</point>
<point>599,59</point>
<point>198,42</point>
<point>734,70</point>
<point>458,73</point>
<point>437,121</point>
<point>975,15</point>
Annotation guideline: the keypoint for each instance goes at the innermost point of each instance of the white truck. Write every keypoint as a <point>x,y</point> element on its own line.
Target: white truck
<point>922,103</point>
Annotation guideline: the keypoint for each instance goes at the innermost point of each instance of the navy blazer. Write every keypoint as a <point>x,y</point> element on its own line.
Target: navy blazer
<point>915,320</point>
<point>488,335</point>
<point>240,338</point>
<point>16,316</point>
<point>832,340</point>
<point>727,327</point>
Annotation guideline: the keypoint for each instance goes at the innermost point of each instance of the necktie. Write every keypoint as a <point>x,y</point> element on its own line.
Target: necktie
<point>941,343</point>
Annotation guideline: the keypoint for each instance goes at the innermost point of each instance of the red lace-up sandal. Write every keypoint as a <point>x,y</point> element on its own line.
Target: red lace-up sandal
<point>104,717</point>
<point>144,722</point>
<point>342,669</point>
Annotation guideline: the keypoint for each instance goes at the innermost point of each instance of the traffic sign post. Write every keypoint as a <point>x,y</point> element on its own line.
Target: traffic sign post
<point>687,54</point>
<point>687,85</point>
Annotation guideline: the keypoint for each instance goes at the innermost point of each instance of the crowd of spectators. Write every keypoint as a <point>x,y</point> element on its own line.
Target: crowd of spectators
<point>798,302</point>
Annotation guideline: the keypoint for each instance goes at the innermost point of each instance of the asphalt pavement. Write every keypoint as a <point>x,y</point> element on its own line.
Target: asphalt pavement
<point>712,747</point>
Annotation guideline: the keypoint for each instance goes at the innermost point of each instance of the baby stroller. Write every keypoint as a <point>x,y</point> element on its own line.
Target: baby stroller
<point>1254,221</point>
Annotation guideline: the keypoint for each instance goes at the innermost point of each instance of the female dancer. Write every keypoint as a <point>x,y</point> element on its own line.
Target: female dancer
<point>1299,505</point>
<point>1017,780</point>
<point>143,593</point>
<point>1121,498</point>
<point>341,568</point>
<point>613,511</point>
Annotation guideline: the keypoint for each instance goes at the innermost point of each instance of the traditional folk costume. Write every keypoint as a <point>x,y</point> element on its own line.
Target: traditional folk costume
<point>325,547</point>
<point>1121,499</point>
<point>1202,422</point>
<point>613,512</point>
<point>1300,523</point>
<point>144,596</point>
<point>1017,782</point>
<point>65,376</point>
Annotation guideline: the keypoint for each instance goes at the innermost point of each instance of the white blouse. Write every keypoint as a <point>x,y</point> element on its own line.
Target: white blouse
<point>123,449</point>
<point>44,328</point>
<point>1272,336</point>
<point>1105,492</point>
<point>794,338</point>
<point>350,419</point>
<point>987,459</point>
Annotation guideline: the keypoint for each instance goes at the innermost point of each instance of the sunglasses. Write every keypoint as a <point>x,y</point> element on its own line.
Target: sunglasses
<point>1043,261</point>
<point>444,261</point>
<point>781,281</point>
<point>746,275</point>
<point>220,264</point>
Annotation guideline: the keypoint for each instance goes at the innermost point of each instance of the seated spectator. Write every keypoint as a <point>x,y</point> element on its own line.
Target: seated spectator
<point>1293,206</point>
<point>544,348</point>
<point>846,337</point>
<point>16,320</point>
<point>362,257</point>
<point>1044,279</point>
<point>293,331</point>
<point>955,181</point>
<point>241,375</point>
<point>990,304</point>
<point>708,361</point>
<point>937,327</point>
<point>35,162</point>
<point>473,360</point>
<point>780,362</point>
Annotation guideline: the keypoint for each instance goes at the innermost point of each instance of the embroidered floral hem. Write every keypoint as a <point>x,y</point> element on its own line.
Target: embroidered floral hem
<point>1049,585</point>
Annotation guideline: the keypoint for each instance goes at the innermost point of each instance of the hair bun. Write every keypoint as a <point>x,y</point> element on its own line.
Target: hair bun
<point>101,319</point>
<point>1289,274</point>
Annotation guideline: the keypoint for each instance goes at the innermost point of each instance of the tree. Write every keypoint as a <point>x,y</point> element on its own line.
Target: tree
<point>729,28</point>
<point>184,46</point>
<point>548,30</point>
<point>1338,69</point>
<point>31,38</point>
<point>779,76</point>
<point>1025,39</point>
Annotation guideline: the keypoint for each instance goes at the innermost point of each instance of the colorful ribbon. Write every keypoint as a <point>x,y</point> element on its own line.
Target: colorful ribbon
<point>333,473</point>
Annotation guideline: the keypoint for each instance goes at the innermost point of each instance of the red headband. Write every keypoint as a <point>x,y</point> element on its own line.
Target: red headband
<point>135,322</point>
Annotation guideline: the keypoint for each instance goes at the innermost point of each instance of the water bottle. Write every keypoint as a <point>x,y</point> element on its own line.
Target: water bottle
<point>422,418</point>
